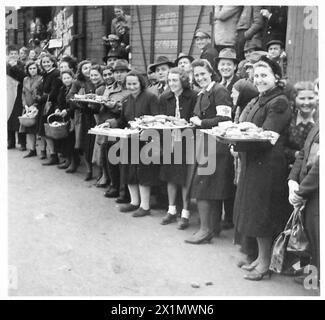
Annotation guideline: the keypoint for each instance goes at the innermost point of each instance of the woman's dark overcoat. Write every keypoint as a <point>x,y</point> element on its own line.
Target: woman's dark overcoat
<point>146,103</point>
<point>219,184</point>
<point>305,171</point>
<point>261,204</point>
<point>17,73</point>
<point>83,118</point>
<point>48,92</point>
<point>177,173</point>
<point>297,135</point>
<point>66,145</point>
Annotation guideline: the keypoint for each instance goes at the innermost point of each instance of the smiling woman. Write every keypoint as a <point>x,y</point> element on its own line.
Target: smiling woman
<point>261,208</point>
<point>178,102</point>
<point>139,177</point>
<point>303,119</point>
<point>217,189</point>
<point>47,100</point>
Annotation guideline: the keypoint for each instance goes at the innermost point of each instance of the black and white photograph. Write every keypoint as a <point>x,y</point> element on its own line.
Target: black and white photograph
<point>162,150</point>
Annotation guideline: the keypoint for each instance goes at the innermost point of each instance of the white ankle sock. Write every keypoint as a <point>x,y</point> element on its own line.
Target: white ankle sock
<point>185,214</point>
<point>172,210</point>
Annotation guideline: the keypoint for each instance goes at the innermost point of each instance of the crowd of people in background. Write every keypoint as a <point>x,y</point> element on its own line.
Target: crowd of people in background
<point>244,68</point>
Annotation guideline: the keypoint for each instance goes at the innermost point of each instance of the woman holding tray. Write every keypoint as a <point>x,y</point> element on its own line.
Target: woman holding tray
<point>261,206</point>
<point>83,118</point>
<point>216,188</point>
<point>178,102</point>
<point>104,112</point>
<point>115,93</point>
<point>139,177</point>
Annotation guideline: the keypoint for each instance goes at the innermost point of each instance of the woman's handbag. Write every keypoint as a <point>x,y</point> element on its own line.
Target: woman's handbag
<point>290,242</point>
<point>298,242</point>
<point>279,249</point>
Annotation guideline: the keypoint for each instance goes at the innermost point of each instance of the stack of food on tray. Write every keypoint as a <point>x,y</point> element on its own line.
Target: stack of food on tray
<point>230,132</point>
<point>160,121</point>
<point>90,98</point>
<point>105,130</point>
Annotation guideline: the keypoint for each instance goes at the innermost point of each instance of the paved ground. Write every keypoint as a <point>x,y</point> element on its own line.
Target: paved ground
<point>66,239</point>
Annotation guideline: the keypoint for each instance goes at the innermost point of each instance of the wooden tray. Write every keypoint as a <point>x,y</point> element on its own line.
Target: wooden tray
<point>87,101</point>
<point>228,140</point>
<point>164,128</point>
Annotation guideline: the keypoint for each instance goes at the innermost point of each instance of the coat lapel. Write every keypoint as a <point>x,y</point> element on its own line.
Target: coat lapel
<point>262,101</point>
<point>251,114</point>
<point>312,138</point>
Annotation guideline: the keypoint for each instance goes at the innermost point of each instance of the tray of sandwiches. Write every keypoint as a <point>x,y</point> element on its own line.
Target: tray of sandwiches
<point>231,133</point>
<point>90,98</point>
<point>159,122</point>
<point>105,130</point>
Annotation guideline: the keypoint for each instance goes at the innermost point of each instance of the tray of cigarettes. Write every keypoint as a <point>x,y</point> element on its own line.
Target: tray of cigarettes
<point>159,122</point>
<point>105,130</point>
<point>230,133</point>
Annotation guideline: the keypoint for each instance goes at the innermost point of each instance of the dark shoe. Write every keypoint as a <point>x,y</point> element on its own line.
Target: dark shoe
<point>226,225</point>
<point>11,146</point>
<point>128,208</point>
<point>256,275</point>
<point>183,224</point>
<point>72,167</point>
<point>89,176</point>
<point>43,154</point>
<point>169,218</point>
<point>22,148</point>
<point>31,153</point>
<point>64,165</point>
<point>122,200</point>
<point>53,160</point>
<point>111,193</point>
<point>141,213</point>
<point>101,185</point>
<point>206,238</point>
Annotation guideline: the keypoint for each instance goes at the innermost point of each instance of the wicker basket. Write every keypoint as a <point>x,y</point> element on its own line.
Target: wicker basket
<point>56,133</point>
<point>27,122</point>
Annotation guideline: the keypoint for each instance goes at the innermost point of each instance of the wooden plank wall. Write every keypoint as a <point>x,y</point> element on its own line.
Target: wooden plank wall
<point>302,43</point>
<point>165,38</point>
<point>96,29</point>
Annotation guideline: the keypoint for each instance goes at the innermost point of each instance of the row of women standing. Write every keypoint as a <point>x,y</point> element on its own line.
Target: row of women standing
<point>261,205</point>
